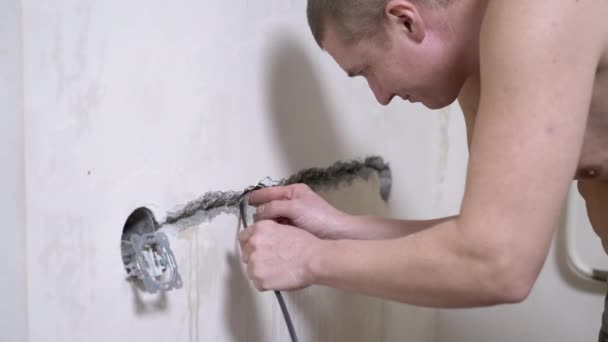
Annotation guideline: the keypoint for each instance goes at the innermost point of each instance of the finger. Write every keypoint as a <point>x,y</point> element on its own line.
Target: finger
<point>266,195</point>
<point>276,193</point>
<point>245,235</point>
<point>276,210</point>
<point>257,284</point>
<point>255,278</point>
<point>247,248</point>
<point>246,253</point>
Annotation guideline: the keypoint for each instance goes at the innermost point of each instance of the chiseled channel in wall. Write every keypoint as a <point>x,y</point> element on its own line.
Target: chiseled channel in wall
<point>145,249</point>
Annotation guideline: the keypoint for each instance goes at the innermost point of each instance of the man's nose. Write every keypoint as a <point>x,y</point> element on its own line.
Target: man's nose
<point>383,97</point>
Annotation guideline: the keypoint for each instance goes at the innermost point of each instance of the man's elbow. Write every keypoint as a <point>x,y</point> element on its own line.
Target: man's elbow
<point>508,266</point>
<point>515,291</point>
<point>512,281</point>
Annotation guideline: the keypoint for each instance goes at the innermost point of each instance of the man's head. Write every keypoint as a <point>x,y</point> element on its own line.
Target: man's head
<point>415,49</point>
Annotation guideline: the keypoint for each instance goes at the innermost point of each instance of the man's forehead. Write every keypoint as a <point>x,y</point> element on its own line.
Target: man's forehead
<point>348,57</point>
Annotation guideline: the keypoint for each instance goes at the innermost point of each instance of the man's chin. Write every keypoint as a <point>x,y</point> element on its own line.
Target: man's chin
<point>438,103</point>
<point>431,104</point>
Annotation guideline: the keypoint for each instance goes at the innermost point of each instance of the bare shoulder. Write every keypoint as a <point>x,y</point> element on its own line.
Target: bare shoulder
<point>580,24</point>
<point>585,13</point>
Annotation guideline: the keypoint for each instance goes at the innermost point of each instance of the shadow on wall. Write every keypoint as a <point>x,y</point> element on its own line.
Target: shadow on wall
<point>299,108</point>
<point>566,273</point>
<point>303,121</point>
<point>155,304</point>
<point>308,137</point>
<point>242,312</point>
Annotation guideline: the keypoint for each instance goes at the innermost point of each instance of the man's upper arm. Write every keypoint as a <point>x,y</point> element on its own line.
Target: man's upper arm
<point>538,62</point>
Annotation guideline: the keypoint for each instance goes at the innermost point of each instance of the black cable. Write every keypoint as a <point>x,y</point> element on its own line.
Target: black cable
<point>290,328</point>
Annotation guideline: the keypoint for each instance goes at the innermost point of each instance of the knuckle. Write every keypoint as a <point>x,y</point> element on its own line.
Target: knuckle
<point>299,189</point>
<point>253,258</point>
<point>251,269</point>
<point>261,283</point>
<point>254,242</point>
<point>279,208</point>
<point>256,276</point>
<point>255,230</point>
<point>263,287</point>
<point>264,226</point>
<point>261,209</point>
<point>258,286</point>
<point>260,228</point>
<point>266,209</point>
<point>289,206</point>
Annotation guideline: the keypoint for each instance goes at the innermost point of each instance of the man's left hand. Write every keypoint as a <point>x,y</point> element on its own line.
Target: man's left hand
<point>279,257</point>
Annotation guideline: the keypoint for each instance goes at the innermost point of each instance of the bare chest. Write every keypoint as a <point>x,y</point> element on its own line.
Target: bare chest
<point>593,162</point>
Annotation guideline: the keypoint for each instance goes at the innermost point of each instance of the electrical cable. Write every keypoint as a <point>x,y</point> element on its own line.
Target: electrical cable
<point>292,332</point>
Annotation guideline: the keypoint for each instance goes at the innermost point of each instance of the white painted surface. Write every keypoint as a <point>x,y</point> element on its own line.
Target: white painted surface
<point>131,103</point>
<point>13,314</point>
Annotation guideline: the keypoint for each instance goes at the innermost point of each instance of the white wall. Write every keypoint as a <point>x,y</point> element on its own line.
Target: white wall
<point>12,254</point>
<point>131,103</point>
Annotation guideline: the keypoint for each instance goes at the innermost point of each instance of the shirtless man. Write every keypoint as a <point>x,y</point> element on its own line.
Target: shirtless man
<point>531,78</point>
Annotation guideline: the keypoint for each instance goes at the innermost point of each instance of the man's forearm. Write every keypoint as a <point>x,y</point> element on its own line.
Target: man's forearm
<point>380,228</point>
<point>438,267</point>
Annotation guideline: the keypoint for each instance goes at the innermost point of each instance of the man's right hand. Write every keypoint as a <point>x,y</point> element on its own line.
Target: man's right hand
<point>299,206</point>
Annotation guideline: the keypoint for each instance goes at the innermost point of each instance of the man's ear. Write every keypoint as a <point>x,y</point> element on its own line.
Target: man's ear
<point>405,16</point>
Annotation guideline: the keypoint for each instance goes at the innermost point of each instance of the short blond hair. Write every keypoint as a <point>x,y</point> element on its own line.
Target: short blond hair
<point>353,19</point>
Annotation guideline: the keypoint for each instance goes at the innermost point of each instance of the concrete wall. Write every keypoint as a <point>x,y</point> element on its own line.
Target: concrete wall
<point>131,103</point>
<point>12,254</point>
